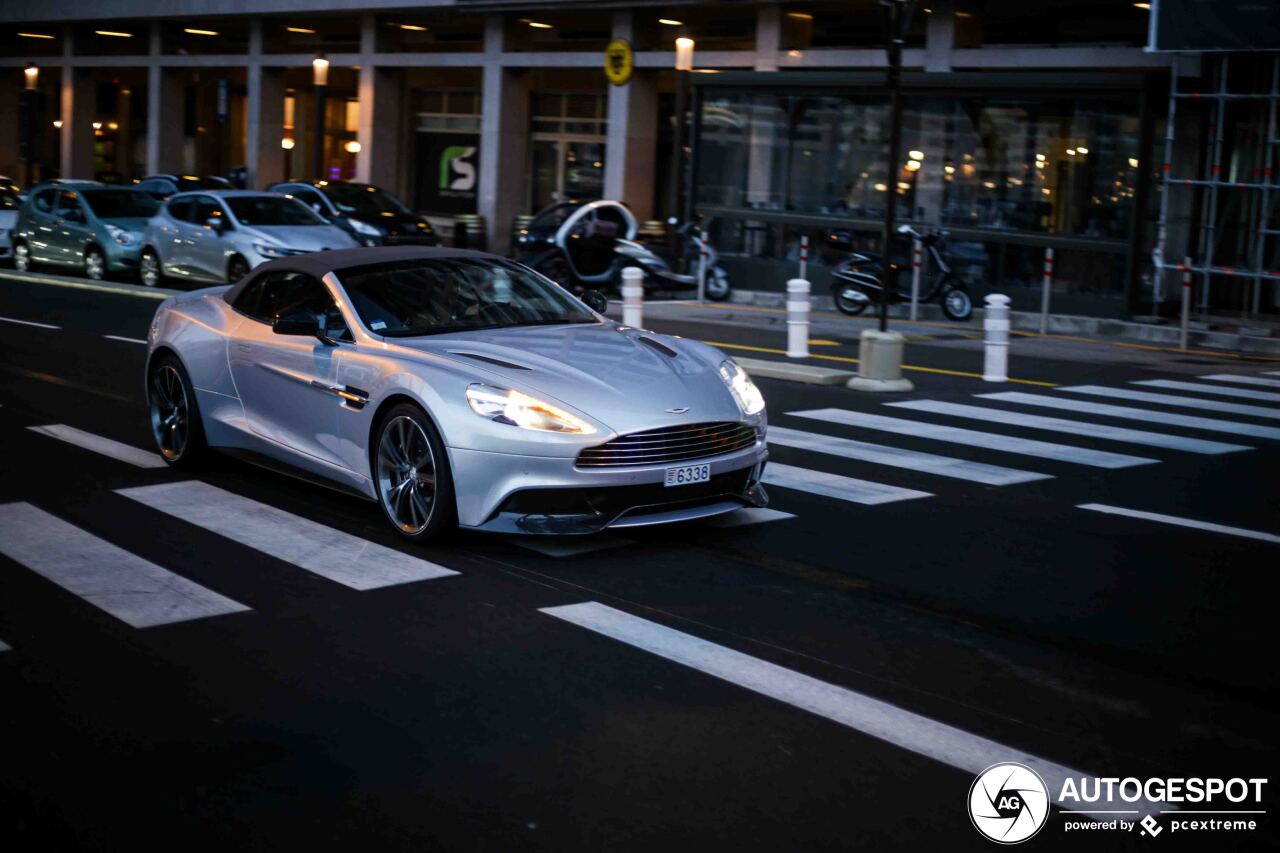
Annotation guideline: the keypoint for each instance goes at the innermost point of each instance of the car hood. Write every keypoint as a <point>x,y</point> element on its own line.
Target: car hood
<point>396,225</point>
<point>309,238</point>
<point>626,379</point>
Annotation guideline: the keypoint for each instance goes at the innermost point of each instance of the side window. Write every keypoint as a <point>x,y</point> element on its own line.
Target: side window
<point>207,208</point>
<point>249,299</point>
<point>43,201</point>
<point>69,206</point>
<point>180,208</point>
<point>286,292</point>
<point>311,199</point>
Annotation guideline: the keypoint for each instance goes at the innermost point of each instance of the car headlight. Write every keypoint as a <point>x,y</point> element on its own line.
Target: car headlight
<point>271,251</point>
<point>509,406</point>
<point>121,236</point>
<point>749,398</point>
<point>362,227</point>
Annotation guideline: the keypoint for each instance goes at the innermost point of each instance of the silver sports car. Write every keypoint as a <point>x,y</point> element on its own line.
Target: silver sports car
<point>454,388</point>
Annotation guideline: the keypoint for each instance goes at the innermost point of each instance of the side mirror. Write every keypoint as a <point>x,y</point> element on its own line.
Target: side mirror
<point>296,323</point>
<point>216,223</point>
<point>596,301</point>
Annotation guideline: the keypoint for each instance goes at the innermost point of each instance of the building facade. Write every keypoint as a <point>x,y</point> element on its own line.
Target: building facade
<point>1028,125</point>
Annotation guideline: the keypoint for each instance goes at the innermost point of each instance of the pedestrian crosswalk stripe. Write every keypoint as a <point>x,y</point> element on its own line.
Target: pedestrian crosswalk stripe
<point>134,590</point>
<point>873,717</point>
<point>348,560</point>
<point>1212,527</point>
<point>1244,380</point>
<point>99,444</point>
<point>1148,415</point>
<point>836,486</point>
<point>974,438</point>
<point>749,515</point>
<point>1218,390</point>
<point>928,463</point>
<point>1093,430</point>
<point>1174,400</point>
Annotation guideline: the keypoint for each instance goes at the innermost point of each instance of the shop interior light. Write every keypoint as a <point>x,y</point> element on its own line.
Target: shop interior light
<point>352,147</point>
<point>195,32</point>
<point>800,16</point>
<point>538,25</point>
<point>1142,6</point>
<point>32,75</point>
<point>287,143</point>
<point>912,165</point>
<point>684,54</point>
<point>35,36</point>
<point>1071,152</point>
<point>116,34</point>
<point>97,125</point>
<point>915,154</point>
<point>881,188</point>
<point>57,122</point>
<point>415,28</point>
<point>670,22</point>
<point>111,125</point>
<point>304,30</point>
<point>1080,149</point>
<point>1133,162</point>
<point>949,169</point>
<point>320,70</point>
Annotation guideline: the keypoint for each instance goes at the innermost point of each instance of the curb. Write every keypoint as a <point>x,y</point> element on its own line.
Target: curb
<point>117,287</point>
<point>806,373</point>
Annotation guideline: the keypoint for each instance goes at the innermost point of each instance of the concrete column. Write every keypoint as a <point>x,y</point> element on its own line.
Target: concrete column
<point>77,111</point>
<point>504,140</point>
<point>164,120</point>
<point>124,133</point>
<point>768,38</point>
<point>381,132</point>
<point>940,36</point>
<point>632,142</point>
<point>264,157</point>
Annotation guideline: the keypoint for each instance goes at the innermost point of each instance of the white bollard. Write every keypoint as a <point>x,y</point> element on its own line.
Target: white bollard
<point>995,342</point>
<point>1044,290</point>
<point>632,297</point>
<point>917,267</point>
<point>797,318</point>
<point>804,257</point>
<point>1186,300</point>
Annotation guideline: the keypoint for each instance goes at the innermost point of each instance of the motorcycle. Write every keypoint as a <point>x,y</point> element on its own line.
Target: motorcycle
<point>855,282</point>
<point>586,245</point>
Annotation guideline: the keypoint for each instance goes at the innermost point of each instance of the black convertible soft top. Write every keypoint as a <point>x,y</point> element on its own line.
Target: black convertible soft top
<point>320,263</point>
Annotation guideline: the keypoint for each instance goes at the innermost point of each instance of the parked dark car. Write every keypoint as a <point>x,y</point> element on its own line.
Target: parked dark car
<point>160,187</point>
<point>373,216</point>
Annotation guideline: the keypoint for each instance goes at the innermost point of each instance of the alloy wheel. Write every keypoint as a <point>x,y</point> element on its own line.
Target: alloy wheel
<point>170,412</point>
<point>21,257</point>
<point>150,269</point>
<point>95,266</point>
<point>406,474</point>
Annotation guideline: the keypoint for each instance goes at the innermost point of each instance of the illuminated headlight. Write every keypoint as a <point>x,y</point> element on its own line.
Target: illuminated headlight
<point>267,250</point>
<point>362,227</point>
<point>121,236</point>
<point>749,398</point>
<point>508,406</point>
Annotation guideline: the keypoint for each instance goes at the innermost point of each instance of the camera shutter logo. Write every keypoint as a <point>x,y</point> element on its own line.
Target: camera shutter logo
<point>1008,803</point>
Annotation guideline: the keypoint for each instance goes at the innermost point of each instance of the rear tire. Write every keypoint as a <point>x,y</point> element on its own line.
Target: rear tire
<point>95,264</point>
<point>957,304</point>
<point>846,303</point>
<point>412,476</point>
<point>174,413</point>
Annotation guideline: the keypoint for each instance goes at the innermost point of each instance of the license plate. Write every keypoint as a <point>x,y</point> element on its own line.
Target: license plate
<point>687,474</point>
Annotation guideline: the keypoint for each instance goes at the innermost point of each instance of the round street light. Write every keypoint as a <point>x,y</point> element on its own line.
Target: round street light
<point>683,67</point>
<point>320,78</point>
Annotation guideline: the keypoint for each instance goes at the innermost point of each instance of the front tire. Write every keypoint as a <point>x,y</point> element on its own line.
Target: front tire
<point>237,268</point>
<point>22,257</point>
<point>957,304</point>
<point>412,475</point>
<point>95,264</point>
<point>149,268</point>
<point>175,416</point>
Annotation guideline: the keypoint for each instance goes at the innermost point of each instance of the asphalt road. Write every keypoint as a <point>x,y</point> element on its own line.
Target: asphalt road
<point>821,679</point>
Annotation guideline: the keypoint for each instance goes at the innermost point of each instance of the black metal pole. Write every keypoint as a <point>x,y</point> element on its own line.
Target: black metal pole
<point>317,138</point>
<point>677,169</point>
<point>896,20</point>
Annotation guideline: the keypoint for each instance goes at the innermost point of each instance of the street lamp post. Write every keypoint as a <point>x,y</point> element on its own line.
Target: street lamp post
<point>319,80</point>
<point>684,67</point>
<point>897,16</point>
<point>28,122</point>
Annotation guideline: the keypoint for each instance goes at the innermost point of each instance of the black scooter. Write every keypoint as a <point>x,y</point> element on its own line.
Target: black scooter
<point>855,282</point>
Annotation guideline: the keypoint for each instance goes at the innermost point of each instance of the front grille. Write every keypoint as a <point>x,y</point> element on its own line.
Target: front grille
<point>608,501</point>
<point>669,444</point>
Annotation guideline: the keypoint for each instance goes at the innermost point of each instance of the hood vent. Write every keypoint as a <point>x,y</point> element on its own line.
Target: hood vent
<point>490,360</point>
<point>659,347</point>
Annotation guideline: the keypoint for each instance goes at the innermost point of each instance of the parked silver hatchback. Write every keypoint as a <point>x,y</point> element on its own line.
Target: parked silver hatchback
<point>220,236</point>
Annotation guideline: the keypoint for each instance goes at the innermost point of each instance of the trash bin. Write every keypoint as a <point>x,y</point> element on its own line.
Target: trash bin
<point>653,232</point>
<point>469,231</point>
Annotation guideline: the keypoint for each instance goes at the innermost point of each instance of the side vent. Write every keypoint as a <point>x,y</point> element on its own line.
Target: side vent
<point>659,347</point>
<point>490,360</point>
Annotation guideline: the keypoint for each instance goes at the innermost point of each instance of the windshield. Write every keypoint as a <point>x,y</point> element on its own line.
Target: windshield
<point>363,199</point>
<point>431,297</point>
<point>120,204</point>
<point>258,210</point>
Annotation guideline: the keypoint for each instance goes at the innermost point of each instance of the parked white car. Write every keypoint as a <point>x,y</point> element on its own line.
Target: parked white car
<point>220,236</point>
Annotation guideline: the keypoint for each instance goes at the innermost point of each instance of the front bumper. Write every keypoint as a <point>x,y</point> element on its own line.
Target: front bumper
<point>122,257</point>
<point>507,493</point>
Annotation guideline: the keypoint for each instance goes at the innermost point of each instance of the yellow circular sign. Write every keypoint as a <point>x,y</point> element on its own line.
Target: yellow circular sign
<point>618,61</point>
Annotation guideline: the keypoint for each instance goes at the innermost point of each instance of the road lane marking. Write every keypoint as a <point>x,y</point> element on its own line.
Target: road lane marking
<point>928,463</point>
<point>974,438</point>
<point>127,340</point>
<point>1185,522</point>
<point>1203,388</point>
<point>1131,436</point>
<point>135,591</point>
<point>835,486</point>
<point>1174,400</point>
<point>748,516</point>
<point>1149,415</point>
<point>1245,380</point>
<point>348,560</point>
<point>875,718</point>
<point>99,444</point>
<point>29,323</point>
